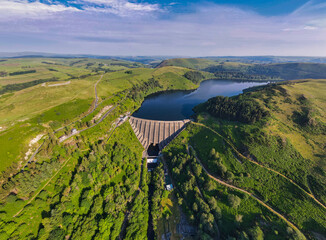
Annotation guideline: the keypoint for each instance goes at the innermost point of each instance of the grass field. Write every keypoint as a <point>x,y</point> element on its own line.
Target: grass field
<point>44,107</point>
<point>29,102</point>
<point>45,69</point>
<point>14,143</point>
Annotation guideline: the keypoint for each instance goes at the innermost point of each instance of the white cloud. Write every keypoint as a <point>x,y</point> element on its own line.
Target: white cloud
<point>119,7</point>
<point>312,15</point>
<point>310,28</point>
<point>205,30</point>
<point>23,8</point>
<point>312,7</point>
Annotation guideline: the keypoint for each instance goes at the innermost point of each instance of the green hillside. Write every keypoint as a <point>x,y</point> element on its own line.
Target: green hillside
<point>279,157</point>
<point>249,167</point>
<point>248,71</point>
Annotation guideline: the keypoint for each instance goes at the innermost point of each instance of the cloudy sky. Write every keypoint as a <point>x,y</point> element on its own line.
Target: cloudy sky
<point>164,27</point>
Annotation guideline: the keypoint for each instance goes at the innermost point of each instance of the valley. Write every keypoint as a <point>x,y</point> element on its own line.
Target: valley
<point>241,152</point>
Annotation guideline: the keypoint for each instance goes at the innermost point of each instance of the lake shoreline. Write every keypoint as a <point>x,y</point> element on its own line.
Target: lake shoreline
<point>174,105</point>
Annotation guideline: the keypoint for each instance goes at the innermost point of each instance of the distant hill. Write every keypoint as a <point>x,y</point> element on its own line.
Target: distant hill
<point>269,59</point>
<point>155,60</point>
<point>193,63</point>
<point>238,70</point>
<point>152,60</point>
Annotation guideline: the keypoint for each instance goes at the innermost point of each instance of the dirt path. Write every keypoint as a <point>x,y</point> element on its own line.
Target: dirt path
<point>42,188</point>
<point>59,84</point>
<point>95,90</point>
<point>246,192</point>
<point>98,122</point>
<point>260,165</point>
<point>34,154</point>
<point>87,114</point>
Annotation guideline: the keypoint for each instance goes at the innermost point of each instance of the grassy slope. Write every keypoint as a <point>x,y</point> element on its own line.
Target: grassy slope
<point>169,78</point>
<point>37,106</point>
<point>45,69</point>
<point>61,68</point>
<point>250,212</point>
<point>282,144</point>
<point>27,103</point>
<point>193,63</point>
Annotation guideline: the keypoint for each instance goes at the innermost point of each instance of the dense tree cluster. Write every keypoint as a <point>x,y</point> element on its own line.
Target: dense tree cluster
<point>21,72</point>
<point>20,86</point>
<point>202,210</point>
<point>244,72</point>
<point>194,76</point>
<point>235,109</point>
<point>241,76</point>
<point>90,202</point>
<point>3,73</point>
<point>28,180</point>
<point>157,188</point>
<point>138,92</point>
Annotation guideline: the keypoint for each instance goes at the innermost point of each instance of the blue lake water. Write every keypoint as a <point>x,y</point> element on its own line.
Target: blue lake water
<point>178,105</point>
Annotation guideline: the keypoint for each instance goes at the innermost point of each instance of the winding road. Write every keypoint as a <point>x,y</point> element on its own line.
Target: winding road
<point>260,165</point>
<point>246,192</point>
<point>94,108</point>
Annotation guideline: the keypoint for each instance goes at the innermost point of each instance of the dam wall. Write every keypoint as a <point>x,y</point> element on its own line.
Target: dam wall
<point>155,132</point>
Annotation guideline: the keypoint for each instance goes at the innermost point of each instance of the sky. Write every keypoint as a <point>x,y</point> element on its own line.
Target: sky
<point>165,27</point>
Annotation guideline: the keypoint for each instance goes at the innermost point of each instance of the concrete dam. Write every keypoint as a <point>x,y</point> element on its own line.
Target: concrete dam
<point>157,134</point>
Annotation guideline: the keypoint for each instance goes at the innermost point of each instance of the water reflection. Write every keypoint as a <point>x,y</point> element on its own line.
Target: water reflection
<point>178,105</point>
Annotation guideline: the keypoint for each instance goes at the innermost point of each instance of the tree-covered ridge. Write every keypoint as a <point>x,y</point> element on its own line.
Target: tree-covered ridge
<point>194,76</point>
<point>235,109</point>
<point>223,68</point>
<point>242,76</point>
<point>96,185</point>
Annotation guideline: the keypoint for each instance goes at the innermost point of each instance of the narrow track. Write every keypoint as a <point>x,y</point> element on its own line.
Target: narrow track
<point>260,165</point>
<point>87,114</point>
<point>248,193</point>
<point>38,192</point>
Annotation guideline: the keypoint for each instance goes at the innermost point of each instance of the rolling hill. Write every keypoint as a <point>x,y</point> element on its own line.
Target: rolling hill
<point>276,71</point>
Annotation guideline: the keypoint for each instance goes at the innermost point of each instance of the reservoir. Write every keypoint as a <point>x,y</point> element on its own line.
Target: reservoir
<point>178,105</point>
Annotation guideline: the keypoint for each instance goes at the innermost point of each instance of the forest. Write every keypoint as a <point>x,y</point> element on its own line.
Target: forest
<point>235,109</point>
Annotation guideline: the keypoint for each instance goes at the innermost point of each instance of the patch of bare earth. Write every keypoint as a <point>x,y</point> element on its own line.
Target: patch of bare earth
<point>31,144</point>
<point>99,115</point>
